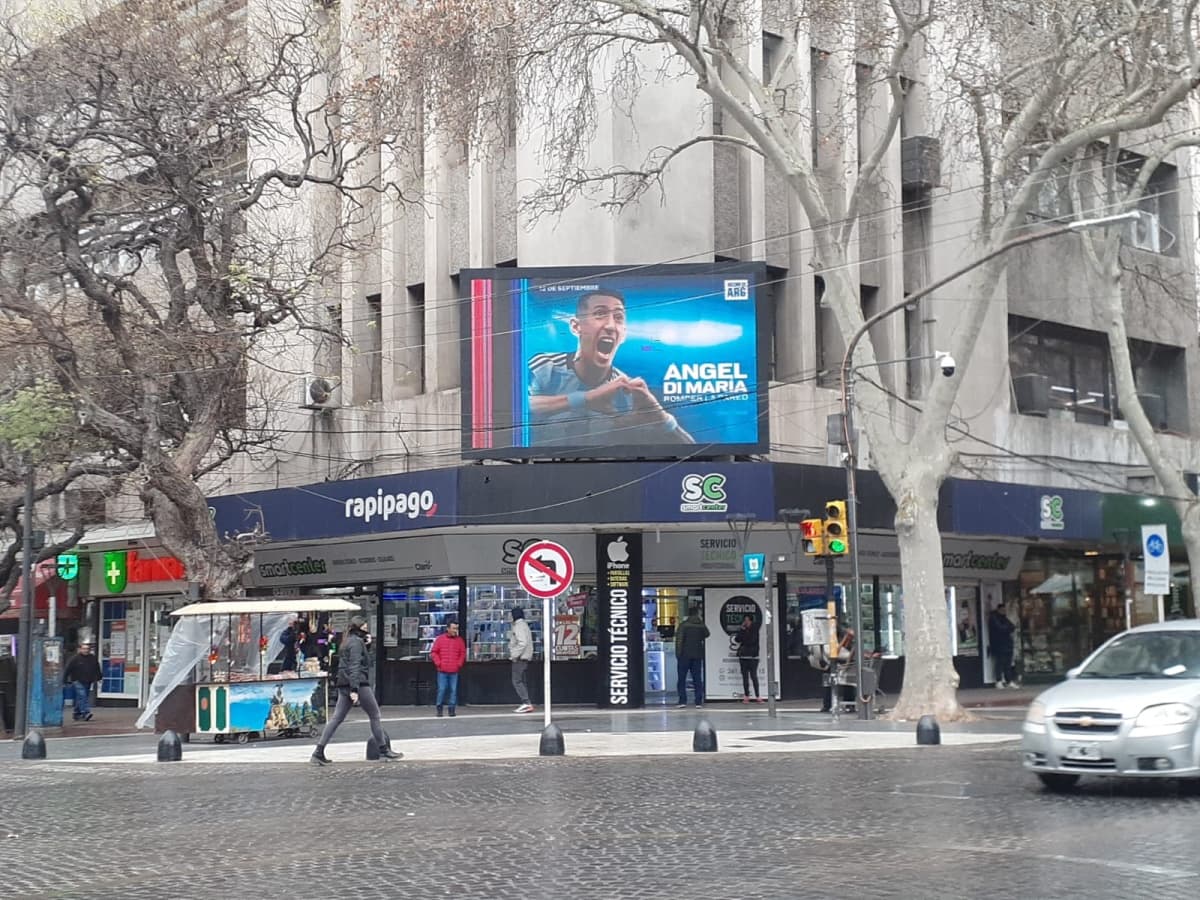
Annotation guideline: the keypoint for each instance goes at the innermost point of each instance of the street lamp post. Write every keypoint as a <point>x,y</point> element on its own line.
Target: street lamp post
<point>849,458</point>
<point>25,628</point>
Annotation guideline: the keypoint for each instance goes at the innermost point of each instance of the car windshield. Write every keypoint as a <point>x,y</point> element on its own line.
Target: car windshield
<point>1148,654</point>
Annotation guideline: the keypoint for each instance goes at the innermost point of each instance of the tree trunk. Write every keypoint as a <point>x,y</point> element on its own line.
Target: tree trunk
<point>1168,471</point>
<point>179,511</point>
<point>1189,523</point>
<point>930,680</point>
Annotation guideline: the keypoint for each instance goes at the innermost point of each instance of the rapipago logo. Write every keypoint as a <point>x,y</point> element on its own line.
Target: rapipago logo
<point>383,506</point>
<point>703,493</point>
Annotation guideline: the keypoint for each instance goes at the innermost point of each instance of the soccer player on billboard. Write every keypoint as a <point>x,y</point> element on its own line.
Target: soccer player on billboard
<point>581,398</point>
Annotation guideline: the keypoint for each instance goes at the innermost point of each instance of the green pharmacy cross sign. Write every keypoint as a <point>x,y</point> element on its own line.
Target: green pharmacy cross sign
<point>68,566</point>
<point>116,571</point>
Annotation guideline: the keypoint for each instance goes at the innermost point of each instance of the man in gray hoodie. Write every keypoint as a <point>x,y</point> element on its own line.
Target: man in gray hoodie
<point>520,651</point>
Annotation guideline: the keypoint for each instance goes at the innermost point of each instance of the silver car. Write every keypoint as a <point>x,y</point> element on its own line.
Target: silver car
<point>1129,710</point>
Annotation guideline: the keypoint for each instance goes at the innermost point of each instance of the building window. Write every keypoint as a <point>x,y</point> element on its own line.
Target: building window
<point>822,103</point>
<point>1068,369</point>
<point>374,347</point>
<point>410,356</point>
<point>414,616</point>
<point>828,337</point>
<point>1067,372</point>
<point>330,353</point>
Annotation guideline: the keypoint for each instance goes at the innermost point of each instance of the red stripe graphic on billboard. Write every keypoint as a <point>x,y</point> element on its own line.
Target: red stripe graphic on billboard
<point>481,363</point>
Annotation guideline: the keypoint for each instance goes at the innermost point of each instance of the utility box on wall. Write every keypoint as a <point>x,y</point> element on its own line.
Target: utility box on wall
<point>920,162</point>
<point>46,682</point>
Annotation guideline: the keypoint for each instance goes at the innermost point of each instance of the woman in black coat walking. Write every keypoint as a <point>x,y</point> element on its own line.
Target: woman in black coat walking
<point>354,686</point>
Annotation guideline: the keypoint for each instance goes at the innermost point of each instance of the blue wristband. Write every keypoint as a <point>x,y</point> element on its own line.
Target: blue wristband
<point>576,400</point>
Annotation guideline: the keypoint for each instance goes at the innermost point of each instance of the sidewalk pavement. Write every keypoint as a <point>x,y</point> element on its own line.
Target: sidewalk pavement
<point>108,720</point>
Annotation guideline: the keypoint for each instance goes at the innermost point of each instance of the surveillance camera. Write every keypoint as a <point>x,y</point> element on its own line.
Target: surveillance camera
<point>947,364</point>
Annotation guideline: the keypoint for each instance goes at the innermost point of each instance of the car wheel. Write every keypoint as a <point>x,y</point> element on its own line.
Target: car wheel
<point>1060,784</point>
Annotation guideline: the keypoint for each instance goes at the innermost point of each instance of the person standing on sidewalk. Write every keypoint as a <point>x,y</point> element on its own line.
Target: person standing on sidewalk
<point>83,670</point>
<point>354,686</point>
<point>746,641</point>
<point>520,651</point>
<point>1000,645</point>
<point>448,653</point>
<point>689,655</point>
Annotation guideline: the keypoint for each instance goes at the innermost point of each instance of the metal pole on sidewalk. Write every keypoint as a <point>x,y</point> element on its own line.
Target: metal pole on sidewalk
<point>25,630</point>
<point>547,650</point>
<point>769,621</point>
<point>835,700</point>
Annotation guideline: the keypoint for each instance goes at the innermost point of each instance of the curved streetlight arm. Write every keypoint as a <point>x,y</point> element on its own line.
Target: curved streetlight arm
<point>1078,225</point>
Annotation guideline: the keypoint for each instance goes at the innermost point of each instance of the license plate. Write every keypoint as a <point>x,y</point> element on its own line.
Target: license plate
<point>1083,751</point>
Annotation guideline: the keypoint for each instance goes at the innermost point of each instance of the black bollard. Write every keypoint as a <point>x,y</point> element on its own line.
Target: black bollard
<point>34,746</point>
<point>704,739</point>
<point>170,747</point>
<point>928,732</point>
<point>552,742</point>
<point>373,749</point>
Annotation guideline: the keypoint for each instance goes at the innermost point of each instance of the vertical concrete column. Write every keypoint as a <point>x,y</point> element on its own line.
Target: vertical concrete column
<point>481,215</point>
<point>441,302</point>
<point>795,311</point>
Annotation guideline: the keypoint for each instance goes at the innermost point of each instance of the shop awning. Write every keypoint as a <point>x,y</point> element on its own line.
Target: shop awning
<point>46,583</point>
<point>241,607</point>
<point>1056,584</point>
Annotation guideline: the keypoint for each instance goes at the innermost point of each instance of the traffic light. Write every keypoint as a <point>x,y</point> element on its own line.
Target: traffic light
<point>812,533</point>
<point>837,532</point>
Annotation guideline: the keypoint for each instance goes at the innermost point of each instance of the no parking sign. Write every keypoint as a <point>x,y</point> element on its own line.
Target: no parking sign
<point>545,569</point>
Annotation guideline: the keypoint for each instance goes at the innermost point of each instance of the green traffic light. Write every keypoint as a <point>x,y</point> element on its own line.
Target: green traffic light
<point>836,546</point>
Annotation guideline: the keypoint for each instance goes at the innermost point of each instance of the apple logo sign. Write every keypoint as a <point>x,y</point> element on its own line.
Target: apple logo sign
<point>618,551</point>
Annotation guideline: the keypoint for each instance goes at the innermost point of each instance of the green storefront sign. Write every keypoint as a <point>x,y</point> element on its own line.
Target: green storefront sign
<point>116,571</point>
<point>1132,512</point>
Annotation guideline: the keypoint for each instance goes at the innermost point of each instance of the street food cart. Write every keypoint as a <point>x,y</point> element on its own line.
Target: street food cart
<point>216,676</point>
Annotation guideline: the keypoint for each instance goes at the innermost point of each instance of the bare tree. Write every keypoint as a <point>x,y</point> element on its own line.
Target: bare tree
<point>1014,88</point>
<point>162,169</point>
<point>1108,177</point>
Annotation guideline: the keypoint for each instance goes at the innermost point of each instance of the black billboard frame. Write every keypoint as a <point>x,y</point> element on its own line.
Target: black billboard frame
<point>756,271</point>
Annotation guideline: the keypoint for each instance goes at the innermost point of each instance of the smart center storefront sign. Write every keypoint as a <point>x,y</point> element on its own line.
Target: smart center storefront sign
<point>595,362</point>
<point>619,584</point>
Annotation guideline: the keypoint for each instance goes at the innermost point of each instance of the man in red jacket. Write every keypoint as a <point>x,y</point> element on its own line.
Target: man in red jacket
<point>448,654</point>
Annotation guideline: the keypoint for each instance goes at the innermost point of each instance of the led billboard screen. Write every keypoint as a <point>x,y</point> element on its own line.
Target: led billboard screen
<point>635,362</point>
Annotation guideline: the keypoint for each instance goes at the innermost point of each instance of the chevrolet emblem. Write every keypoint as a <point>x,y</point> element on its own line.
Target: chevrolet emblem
<point>1086,721</point>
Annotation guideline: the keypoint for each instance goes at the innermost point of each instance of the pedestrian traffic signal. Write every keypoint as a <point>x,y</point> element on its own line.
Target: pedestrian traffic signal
<point>837,531</point>
<point>812,534</point>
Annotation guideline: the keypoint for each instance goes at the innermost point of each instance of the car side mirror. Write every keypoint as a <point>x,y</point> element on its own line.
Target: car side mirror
<point>1071,673</point>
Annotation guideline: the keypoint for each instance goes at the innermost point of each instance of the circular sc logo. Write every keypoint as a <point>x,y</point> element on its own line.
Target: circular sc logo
<point>703,493</point>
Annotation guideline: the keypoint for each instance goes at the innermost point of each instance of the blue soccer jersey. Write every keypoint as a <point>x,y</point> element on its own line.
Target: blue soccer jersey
<point>553,374</point>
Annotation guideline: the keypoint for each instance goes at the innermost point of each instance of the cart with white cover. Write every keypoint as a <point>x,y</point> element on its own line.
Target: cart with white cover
<point>215,678</point>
